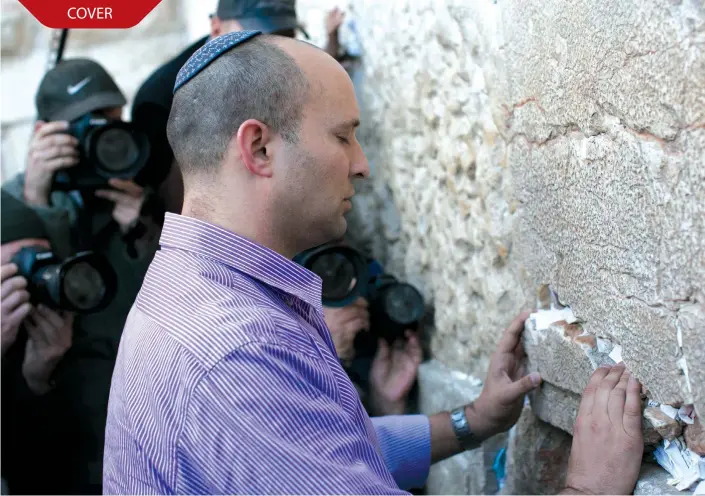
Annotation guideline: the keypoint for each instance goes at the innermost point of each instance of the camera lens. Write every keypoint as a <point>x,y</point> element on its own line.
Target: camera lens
<point>403,303</point>
<point>116,150</point>
<point>337,273</point>
<point>83,286</point>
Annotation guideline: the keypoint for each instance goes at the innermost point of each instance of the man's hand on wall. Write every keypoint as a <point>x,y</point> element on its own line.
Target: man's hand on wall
<point>51,149</point>
<point>128,198</point>
<point>50,335</point>
<point>499,405</point>
<point>344,323</point>
<point>607,439</point>
<point>393,373</point>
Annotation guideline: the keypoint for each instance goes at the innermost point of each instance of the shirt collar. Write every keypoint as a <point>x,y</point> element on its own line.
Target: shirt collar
<point>242,254</point>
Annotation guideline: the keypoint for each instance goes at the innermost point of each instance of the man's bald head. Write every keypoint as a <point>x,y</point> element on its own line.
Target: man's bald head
<point>256,80</point>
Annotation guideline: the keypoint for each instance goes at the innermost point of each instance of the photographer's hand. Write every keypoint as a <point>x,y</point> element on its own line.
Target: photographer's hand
<point>393,373</point>
<point>334,19</point>
<point>344,324</point>
<point>15,304</point>
<point>50,334</point>
<point>51,149</point>
<point>128,198</point>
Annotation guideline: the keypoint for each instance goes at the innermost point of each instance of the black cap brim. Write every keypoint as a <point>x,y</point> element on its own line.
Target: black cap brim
<point>271,25</point>
<point>97,101</point>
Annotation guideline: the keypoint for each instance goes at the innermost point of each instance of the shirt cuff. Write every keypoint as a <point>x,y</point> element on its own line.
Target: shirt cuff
<point>405,442</point>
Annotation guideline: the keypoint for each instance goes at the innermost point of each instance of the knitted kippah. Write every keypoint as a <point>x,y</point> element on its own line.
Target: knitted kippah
<point>208,53</point>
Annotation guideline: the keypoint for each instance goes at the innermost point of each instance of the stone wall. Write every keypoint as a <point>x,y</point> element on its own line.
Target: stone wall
<point>519,145</point>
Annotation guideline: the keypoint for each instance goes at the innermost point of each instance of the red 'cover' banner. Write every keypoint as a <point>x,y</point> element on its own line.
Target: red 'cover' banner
<point>90,14</point>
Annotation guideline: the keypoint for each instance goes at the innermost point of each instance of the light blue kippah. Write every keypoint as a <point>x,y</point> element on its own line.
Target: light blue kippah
<point>208,53</point>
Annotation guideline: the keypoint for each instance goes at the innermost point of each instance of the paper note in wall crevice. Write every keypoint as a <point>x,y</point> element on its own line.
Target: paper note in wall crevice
<point>686,414</point>
<point>616,354</point>
<point>680,462</point>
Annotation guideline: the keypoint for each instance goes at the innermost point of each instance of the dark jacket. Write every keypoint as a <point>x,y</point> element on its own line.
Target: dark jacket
<point>150,112</point>
<point>30,430</point>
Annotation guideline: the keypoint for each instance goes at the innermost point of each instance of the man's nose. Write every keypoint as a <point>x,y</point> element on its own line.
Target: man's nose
<point>360,166</point>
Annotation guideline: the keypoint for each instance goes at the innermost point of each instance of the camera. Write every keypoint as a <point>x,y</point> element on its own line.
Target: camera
<point>83,283</point>
<point>107,149</point>
<point>347,275</point>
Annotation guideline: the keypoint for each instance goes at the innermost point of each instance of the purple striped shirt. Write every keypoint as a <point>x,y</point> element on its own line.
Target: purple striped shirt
<point>227,381</point>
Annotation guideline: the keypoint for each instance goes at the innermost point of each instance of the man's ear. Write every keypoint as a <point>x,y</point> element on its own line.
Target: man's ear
<point>253,138</point>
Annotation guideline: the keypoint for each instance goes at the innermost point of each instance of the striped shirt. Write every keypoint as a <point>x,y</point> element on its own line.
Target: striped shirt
<point>227,381</point>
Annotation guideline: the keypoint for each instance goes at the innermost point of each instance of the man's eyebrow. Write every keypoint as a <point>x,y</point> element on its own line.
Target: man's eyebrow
<point>351,124</point>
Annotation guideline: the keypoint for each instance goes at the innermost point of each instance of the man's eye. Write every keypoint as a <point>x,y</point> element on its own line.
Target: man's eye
<point>343,140</point>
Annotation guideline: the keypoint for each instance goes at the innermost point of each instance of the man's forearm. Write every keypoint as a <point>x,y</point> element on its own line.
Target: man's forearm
<point>444,443</point>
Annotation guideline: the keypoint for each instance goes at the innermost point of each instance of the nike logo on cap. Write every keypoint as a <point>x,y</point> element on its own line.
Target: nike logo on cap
<point>73,89</point>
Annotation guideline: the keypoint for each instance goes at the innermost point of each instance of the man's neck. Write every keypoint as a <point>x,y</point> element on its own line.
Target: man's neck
<point>243,222</point>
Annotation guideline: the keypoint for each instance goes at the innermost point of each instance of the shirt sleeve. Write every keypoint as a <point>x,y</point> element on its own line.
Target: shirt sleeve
<point>405,441</point>
<point>266,420</point>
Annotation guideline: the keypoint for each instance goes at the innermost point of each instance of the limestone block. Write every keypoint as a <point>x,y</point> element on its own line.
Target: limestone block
<point>695,437</point>
<point>652,480</point>
<point>665,426</point>
<point>428,126</point>
<point>611,196</point>
<point>537,457</point>
<point>556,406</point>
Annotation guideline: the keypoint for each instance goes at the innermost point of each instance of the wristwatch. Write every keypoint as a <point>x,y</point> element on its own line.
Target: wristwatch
<point>462,430</point>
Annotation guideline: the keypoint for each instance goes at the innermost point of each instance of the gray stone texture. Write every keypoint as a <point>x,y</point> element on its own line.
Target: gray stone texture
<point>652,480</point>
<point>523,143</point>
<point>518,143</point>
<point>537,460</point>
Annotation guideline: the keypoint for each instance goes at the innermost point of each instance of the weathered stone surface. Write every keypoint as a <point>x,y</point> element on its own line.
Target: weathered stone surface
<point>440,166</point>
<point>555,406</point>
<point>695,437</point>
<point>537,457</point>
<point>516,144</point>
<point>652,480</point>
<point>524,144</point>
<point>664,425</point>
<point>603,165</point>
<point>470,472</point>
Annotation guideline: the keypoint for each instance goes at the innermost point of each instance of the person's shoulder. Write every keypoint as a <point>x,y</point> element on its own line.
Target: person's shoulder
<point>15,186</point>
<point>206,306</point>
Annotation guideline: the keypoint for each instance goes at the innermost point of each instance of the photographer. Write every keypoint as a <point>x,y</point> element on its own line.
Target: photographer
<point>34,341</point>
<point>386,374</point>
<point>65,183</point>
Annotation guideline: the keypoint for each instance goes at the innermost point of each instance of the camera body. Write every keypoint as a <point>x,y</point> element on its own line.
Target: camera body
<point>83,283</point>
<point>347,274</point>
<point>107,149</point>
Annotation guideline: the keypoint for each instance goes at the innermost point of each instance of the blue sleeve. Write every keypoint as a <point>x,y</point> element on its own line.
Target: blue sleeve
<point>405,441</point>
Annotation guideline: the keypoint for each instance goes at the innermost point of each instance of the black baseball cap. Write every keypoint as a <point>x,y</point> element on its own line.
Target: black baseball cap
<point>76,87</point>
<point>19,221</point>
<point>267,16</point>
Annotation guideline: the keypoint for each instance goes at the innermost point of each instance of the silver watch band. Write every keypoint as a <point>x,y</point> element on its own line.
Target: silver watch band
<point>462,430</point>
